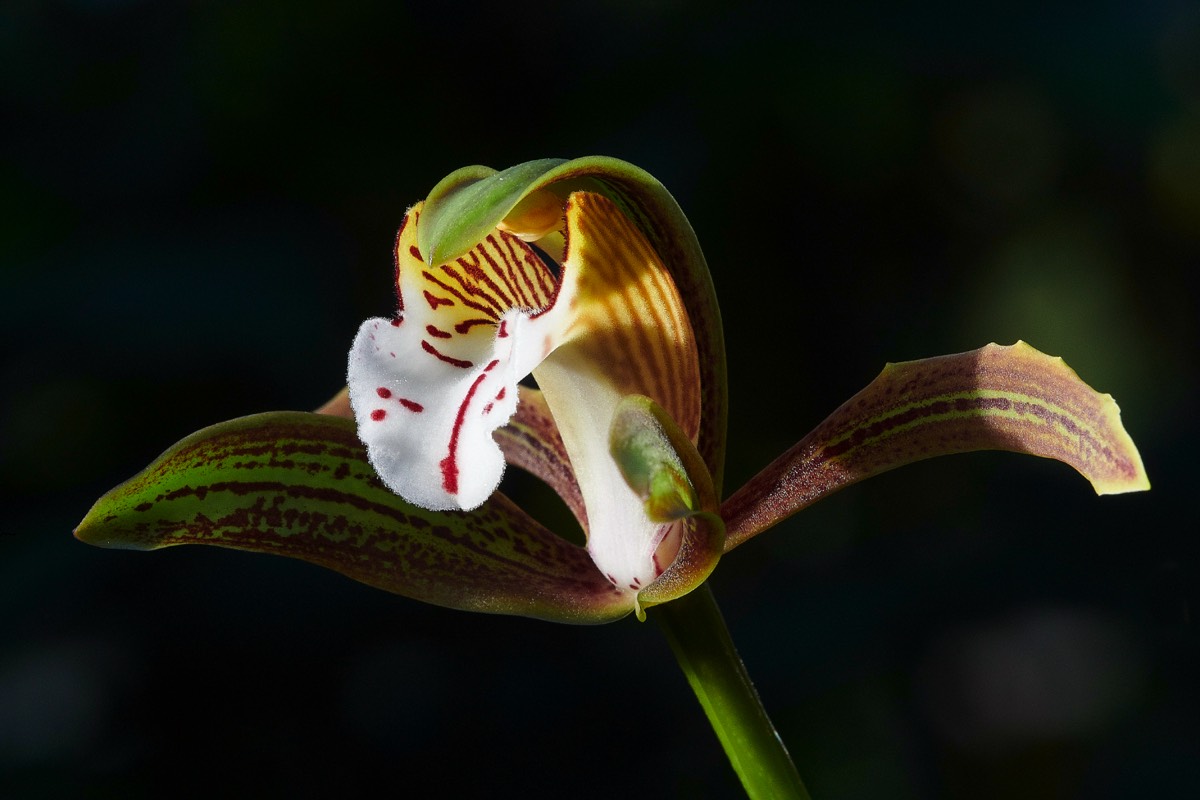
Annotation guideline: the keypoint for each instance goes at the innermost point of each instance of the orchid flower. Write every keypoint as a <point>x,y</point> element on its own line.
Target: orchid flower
<point>431,385</point>
<point>586,275</point>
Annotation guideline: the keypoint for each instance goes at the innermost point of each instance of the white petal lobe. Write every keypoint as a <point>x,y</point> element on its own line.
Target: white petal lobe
<point>427,418</point>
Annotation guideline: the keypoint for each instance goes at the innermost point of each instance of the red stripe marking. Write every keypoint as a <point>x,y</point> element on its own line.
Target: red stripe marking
<point>509,273</point>
<point>437,332</point>
<point>483,276</point>
<point>466,301</point>
<point>528,262</point>
<point>449,464</point>
<point>503,329</point>
<point>466,325</point>
<point>415,253</point>
<point>472,288</point>
<point>396,322</point>
<point>454,362</point>
<point>411,405</point>
<point>434,302</point>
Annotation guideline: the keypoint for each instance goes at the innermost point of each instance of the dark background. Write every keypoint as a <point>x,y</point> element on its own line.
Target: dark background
<point>198,205</point>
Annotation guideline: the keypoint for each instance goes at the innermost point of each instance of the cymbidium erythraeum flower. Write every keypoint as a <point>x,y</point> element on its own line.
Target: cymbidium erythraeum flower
<point>430,385</point>
<point>586,275</point>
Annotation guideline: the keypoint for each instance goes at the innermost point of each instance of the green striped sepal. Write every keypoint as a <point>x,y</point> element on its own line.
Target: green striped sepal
<point>995,398</point>
<point>299,485</point>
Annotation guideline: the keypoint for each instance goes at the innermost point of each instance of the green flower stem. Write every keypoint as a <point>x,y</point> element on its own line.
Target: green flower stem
<point>696,631</point>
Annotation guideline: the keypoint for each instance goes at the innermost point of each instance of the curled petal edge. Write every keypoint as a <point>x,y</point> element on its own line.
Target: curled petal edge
<point>1012,398</point>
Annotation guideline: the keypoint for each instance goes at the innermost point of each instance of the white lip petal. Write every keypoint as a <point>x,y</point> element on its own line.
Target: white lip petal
<point>427,423</point>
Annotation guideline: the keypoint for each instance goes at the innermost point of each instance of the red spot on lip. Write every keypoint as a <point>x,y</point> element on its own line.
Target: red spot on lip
<point>383,392</point>
<point>378,414</point>
<point>503,329</point>
<point>434,302</point>
<point>491,365</point>
<point>411,405</point>
<point>500,394</point>
<point>487,409</point>
<point>394,323</point>
<point>437,332</point>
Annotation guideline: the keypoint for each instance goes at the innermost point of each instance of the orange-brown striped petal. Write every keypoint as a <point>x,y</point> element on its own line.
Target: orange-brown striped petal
<point>624,332</point>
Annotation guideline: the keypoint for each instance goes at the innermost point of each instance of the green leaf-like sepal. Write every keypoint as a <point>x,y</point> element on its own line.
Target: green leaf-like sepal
<point>468,203</point>
<point>299,485</point>
<point>665,470</point>
<point>1011,398</point>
